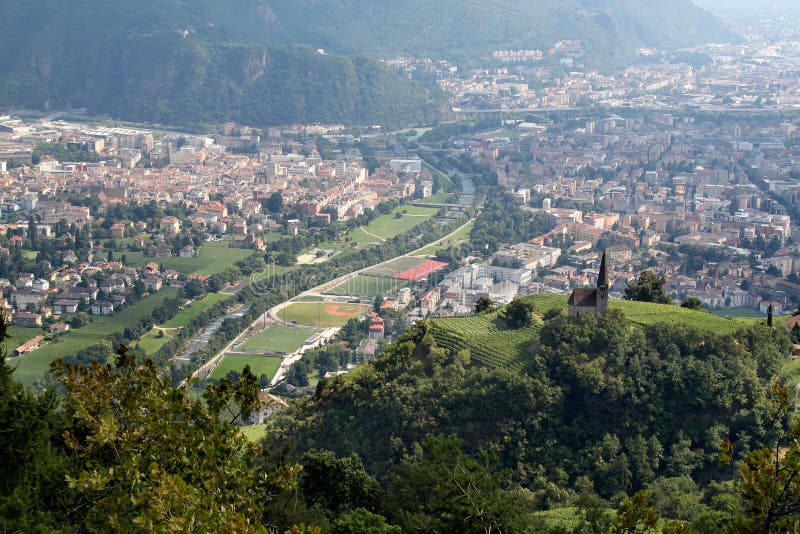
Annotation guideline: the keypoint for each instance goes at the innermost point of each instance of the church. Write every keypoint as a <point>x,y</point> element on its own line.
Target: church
<point>588,300</point>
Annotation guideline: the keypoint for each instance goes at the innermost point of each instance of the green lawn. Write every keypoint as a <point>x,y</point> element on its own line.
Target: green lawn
<point>278,339</point>
<point>254,433</point>
<point>311,313</point>
<point>384,227</point>
<point>212,258</point>
<point>259,365</point>
<point>34,365</point>
<point>18,336</point>
<point>194,309</point>
<point>151,341</point>
<point>368,287</point>
<point>459,237</point>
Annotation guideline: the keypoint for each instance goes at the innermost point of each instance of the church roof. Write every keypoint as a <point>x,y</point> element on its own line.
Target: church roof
<point>583,297</point>
<point>602,277</point>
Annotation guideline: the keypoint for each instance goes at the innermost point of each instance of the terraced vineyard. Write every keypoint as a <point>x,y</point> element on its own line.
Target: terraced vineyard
<point>488,341</point>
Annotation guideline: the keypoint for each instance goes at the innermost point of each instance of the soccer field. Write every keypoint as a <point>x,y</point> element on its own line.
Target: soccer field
<point>367,287</point>
<point>259,365</point>
<point>322,314</point>
<point>278,339</point>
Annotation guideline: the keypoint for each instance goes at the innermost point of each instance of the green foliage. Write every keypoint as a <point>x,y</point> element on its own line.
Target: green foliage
<point>440,489</point>
<point>649,288</point>
<point>518,314</point>
<point>692,303</point>
<point>484,304</point>
<point>361,521</point>
<point>337,484</point>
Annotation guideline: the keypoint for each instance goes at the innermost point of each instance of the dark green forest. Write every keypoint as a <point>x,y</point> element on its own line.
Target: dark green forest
<point>635,429</point>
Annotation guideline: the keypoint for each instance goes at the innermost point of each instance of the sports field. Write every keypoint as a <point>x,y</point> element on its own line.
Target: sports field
<point>322,314</point>
<point>395,266</point>
<point>277,339</point>
<point>422,271</point>
<point>385,227</point>
<point>259,365</point>
<point>367,287</point>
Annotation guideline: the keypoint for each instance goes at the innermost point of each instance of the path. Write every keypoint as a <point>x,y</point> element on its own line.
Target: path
<point>382,240</point>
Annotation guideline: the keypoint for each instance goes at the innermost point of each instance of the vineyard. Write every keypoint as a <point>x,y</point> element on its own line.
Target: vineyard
<point>491,344</point>
<point>488,341</point>
<point>646,313</point>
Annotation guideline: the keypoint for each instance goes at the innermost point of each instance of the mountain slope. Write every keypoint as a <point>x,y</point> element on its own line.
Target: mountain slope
<point>612,29</point>
<point>201,61</point>
<point>165,61</point>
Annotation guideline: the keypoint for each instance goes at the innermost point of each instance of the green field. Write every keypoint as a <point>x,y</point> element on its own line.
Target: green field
<point>254,433</point>
<point>384,227</point>
<point>278,339</point>
<point>212,258</point>
<point>368,287</point>
<point>311,313</point>
<point>458,237</point>
<point>18,336</point>
<point>259,365</point>
<point>34,365</point>
<point>194,309</point>
<point>151,342</point>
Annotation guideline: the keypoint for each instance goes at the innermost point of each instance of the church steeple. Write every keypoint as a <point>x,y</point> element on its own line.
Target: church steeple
<point>602,276</point>
<point>601,293</point>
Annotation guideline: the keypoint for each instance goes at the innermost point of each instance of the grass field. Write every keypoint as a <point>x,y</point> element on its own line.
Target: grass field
<point>368,287</point>
<point>18,336</point>
<point>326,313</point>
<point>212,258</point>
<point>459,237</point>
<point>34,365</point>
<point>254,433</point>
<point>384,227</point>
<point>259,365</point>
<point>194,309</point>
<point>151,341</point>
<point>278,339</point>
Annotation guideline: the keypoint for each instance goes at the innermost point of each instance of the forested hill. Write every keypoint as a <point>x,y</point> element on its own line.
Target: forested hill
<point>601,407</point>
<point>464,29</point>
<point>167,61</point>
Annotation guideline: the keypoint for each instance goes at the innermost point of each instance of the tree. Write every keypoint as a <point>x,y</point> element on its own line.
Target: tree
<point>649,288</point>
<point>484,304</point>
<point>518,314</point>
<point>692,303</point>
<point>636,515</point>
<point>770,477</point>
<point>275,202</point>
<point>337,484</point>
<point>361,521</point>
